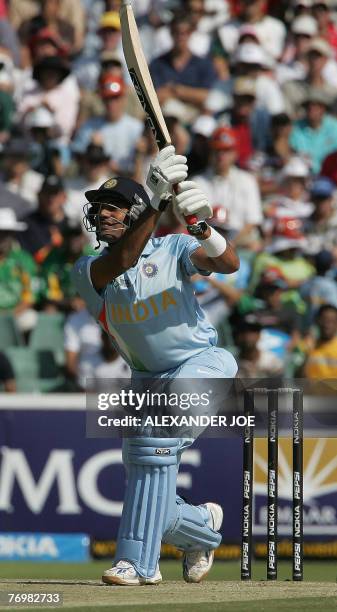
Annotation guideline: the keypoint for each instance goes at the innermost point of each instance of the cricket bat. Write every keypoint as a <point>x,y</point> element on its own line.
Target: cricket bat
<point>142,82</point>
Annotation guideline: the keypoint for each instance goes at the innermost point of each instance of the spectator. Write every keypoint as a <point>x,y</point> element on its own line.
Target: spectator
<point>70,10</point>
<point>321,75</point>
<point>111,369</point>
<point>326,27</point>
<point>315,135</point>
<point>17,175</point>
<point>252,61</point>
<point>115,127</point>
<point>295,57</point>
<point>93,171</point>
<point>271,32</point>
<point>285,255</point>
<point>58,290</point>
<point>250,122</point>
<point>82,344</point>
<point>7,376</point>
<point>18,273</point>
<point>45,150</point>
<point>321,227</point>
<point>7,102</point>
<point>322,288</point>
<point>292,201</point>
<point>181,76</point>
<point>253,361</point>
<point>321,360</point>
<point>87,67</point>
<point>231,188</point>
<point>49,16</point>
<point>45,226</point>
<point>57,89</point>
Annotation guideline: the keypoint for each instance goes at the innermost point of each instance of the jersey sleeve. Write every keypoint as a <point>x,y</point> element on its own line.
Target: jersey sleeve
<point>82,281</point>
<point>186,247</point>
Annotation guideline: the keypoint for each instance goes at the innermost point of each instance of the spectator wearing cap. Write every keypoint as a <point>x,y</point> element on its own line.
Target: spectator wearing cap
<point>251,61</point>
<point>202,22</point>
<point>7,376</point>
<point>292,200</point>
<point>315,135</point>
<point>321,360</point>
<point>294,61</point>
<point>70,11</point>
<point>284,254</point>
<point>43,132</point>
<point>55,87</point>
<point>94,169</point>
<point>254,361</point>
<point>249,120</point>
<point>233,189</point>
<point>58,291</point>
<point>48,16</point>
<point>180,76</point>
<point>17,174</point>
<point>18,272</point>
<point>322,288</point>
<point>119,133</point>
<point>321,74</point>
<point>271,32</point>
<point>326,27</point>
<point>91,103</point>
<point>198,155</point>
<point>45,225</point>
<point>321,227</point>
<point>87,67</point>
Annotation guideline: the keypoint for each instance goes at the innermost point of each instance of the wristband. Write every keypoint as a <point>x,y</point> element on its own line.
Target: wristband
<point>215,245</point>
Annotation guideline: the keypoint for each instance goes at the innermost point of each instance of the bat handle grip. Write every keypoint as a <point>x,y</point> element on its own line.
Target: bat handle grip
<point>191,219</point>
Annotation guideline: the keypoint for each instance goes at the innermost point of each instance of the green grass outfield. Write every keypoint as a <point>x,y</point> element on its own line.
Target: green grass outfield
<point>82,590</point>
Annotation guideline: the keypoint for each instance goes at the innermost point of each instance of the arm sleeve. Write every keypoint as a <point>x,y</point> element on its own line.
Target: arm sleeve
<point>186,247</point>
<point>82,281</point>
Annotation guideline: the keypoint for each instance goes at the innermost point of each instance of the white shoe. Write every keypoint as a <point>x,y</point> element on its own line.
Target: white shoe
<point>124,574</point>
<point>196,565</point>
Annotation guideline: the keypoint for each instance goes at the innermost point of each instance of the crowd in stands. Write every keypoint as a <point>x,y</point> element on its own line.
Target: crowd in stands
<point>249,92</point>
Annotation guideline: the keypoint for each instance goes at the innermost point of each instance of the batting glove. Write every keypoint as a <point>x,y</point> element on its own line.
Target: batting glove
<point>191,201</point>
<point>167,170</point>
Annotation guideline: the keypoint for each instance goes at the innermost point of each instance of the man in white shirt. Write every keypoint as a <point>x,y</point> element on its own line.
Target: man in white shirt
<point>119,132</point>
<point>271,32</point>
<point>82,344</point>
<point>233,189</point>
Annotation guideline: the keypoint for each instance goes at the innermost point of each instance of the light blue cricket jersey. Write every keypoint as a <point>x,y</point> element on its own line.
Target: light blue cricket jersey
<point>150,311</point>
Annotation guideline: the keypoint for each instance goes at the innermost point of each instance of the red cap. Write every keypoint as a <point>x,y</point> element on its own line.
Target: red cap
<point>111,86</point>
<point>46,34</point>
<point>223,139</point>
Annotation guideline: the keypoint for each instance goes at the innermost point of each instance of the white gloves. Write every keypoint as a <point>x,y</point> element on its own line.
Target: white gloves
<point>191,201</point>
<point>166,170</point>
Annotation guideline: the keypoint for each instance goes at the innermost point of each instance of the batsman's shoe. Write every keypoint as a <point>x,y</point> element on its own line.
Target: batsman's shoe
<point>124,574</point>
<point>196,565</point>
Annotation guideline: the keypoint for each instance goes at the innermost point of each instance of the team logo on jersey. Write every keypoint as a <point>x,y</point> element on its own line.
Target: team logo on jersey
<point>150,269</point>
<point>110,184</point>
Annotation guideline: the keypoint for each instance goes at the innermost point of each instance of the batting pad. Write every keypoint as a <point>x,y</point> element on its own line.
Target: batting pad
<point>150,500</point>
<point>190,531</point>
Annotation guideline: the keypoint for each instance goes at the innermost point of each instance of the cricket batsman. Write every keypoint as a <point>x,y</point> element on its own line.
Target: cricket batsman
<point>139,291</point>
